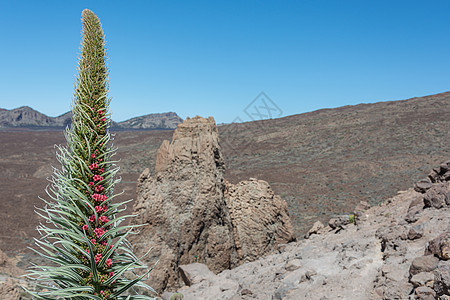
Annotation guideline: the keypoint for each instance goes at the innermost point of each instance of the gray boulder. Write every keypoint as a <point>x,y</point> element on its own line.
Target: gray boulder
<point>442,278</point>
<point>425,263</point>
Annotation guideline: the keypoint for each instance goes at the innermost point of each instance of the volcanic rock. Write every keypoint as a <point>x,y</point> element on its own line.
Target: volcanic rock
<point>339,221</point>
<point>414,210</point>
<point>194,273</point>
<point>315,229</point>
<point>423,279</point>
<point>438,195</point>
<point>442,278</point>
<point>423,185</point>
<point>379,257</point>
<point>415,232</point>
<point>425,263</point>
<point>441,173</point>
<point>260,218</point>
<point>440,246</point>
<point>193,215</point>
<point>425,293</point>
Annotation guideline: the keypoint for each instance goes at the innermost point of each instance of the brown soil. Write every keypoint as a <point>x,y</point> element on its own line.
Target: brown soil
<point>25,163</point>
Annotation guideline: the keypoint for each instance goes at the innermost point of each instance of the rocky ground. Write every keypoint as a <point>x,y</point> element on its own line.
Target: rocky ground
<point>397,250</point>
<point>322,164</point>
<point>10,279</point>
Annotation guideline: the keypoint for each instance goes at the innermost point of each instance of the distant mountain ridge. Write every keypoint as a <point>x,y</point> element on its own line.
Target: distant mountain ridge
<point>168,120</point>
<point>25,116</point>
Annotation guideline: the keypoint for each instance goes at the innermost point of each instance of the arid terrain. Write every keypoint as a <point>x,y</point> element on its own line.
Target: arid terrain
<point>322,163</point>
<point>26,160</point>
<point>325,162</point>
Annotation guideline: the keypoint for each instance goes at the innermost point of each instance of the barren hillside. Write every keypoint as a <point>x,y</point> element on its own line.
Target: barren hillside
<point>322,163</point>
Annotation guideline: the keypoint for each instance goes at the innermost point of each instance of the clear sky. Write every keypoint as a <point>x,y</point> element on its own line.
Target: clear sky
<point>214,57</point>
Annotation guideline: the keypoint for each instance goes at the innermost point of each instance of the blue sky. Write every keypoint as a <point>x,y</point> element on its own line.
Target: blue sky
<point>214,57</point>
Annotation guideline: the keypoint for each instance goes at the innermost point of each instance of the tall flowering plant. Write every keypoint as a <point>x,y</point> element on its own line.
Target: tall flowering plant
<point>88,252</point>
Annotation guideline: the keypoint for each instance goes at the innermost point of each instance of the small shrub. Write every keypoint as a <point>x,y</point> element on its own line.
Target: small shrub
<point>351,218</point>
<point>177,296</point>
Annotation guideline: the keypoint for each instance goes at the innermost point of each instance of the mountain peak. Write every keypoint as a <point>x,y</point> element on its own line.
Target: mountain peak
<point>26,116</point>
<point>23,116</point>
<point>25,107</point>
<point>168,120</point>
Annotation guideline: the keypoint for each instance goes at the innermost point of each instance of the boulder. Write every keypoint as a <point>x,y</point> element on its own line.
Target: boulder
<point>259,218</point>
<point>425,263</point>
<point>445,166</point>
<point>415,208</point>
<point>439,174</point>
<point>442,278</point>
<point>339,221</point>
<point>437,196</point>
<point>415,232</point>
<point>423,279</point>
<point>423,185</point>
<point>195,273</point>
<point>425,293</point>
<point>439,246</point>
<point>314,229</point>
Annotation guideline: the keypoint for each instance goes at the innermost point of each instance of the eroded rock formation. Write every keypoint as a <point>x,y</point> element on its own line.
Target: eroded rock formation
<point>193,215</point>
<point>260,218</point>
